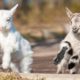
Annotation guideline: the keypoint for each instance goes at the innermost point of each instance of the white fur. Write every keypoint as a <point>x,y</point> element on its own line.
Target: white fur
<point>75,69</point>
<point>73,38</point>
<point>17,53</point>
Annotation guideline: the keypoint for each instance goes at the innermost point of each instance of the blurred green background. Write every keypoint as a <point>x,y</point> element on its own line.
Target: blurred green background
<point>39,20</point>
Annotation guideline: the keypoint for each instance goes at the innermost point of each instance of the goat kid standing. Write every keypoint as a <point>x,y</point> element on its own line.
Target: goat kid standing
<point>73,39</point>
<point>17,53</point>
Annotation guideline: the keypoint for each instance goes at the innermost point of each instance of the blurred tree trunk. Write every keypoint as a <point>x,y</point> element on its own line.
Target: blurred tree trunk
<point>50,3</point>
<point>27,5</point>
<point>56,3</point>
<point>42,4</point>
<point>67,2</point>
<point>1,4</point>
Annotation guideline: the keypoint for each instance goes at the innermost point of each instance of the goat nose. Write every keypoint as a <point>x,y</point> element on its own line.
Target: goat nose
<point>74,28</point>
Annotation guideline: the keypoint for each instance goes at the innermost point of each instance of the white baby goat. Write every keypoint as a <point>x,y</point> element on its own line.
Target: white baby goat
<point>17,53</point>
<point>73,37</point>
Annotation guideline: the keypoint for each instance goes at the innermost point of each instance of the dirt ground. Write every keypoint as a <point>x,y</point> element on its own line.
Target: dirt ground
<point>43,57</point>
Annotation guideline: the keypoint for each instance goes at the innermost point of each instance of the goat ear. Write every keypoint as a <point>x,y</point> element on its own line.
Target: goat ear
<point>13,9</point>
<point>69,13</point>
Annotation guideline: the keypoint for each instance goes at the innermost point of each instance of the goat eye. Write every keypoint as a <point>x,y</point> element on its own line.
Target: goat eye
<point>8,19</point>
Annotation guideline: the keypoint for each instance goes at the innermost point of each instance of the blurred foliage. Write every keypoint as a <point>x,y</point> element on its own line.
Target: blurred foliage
<point>36,12</point>
<point>42,9</point>
<point>45,10</point>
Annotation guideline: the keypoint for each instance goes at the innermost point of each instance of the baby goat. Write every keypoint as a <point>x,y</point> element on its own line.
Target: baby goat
<point>73,37</point>
<point>17,53</point>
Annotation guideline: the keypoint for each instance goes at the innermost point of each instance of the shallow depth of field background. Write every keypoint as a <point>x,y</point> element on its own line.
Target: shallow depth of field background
<point>44,23</point>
